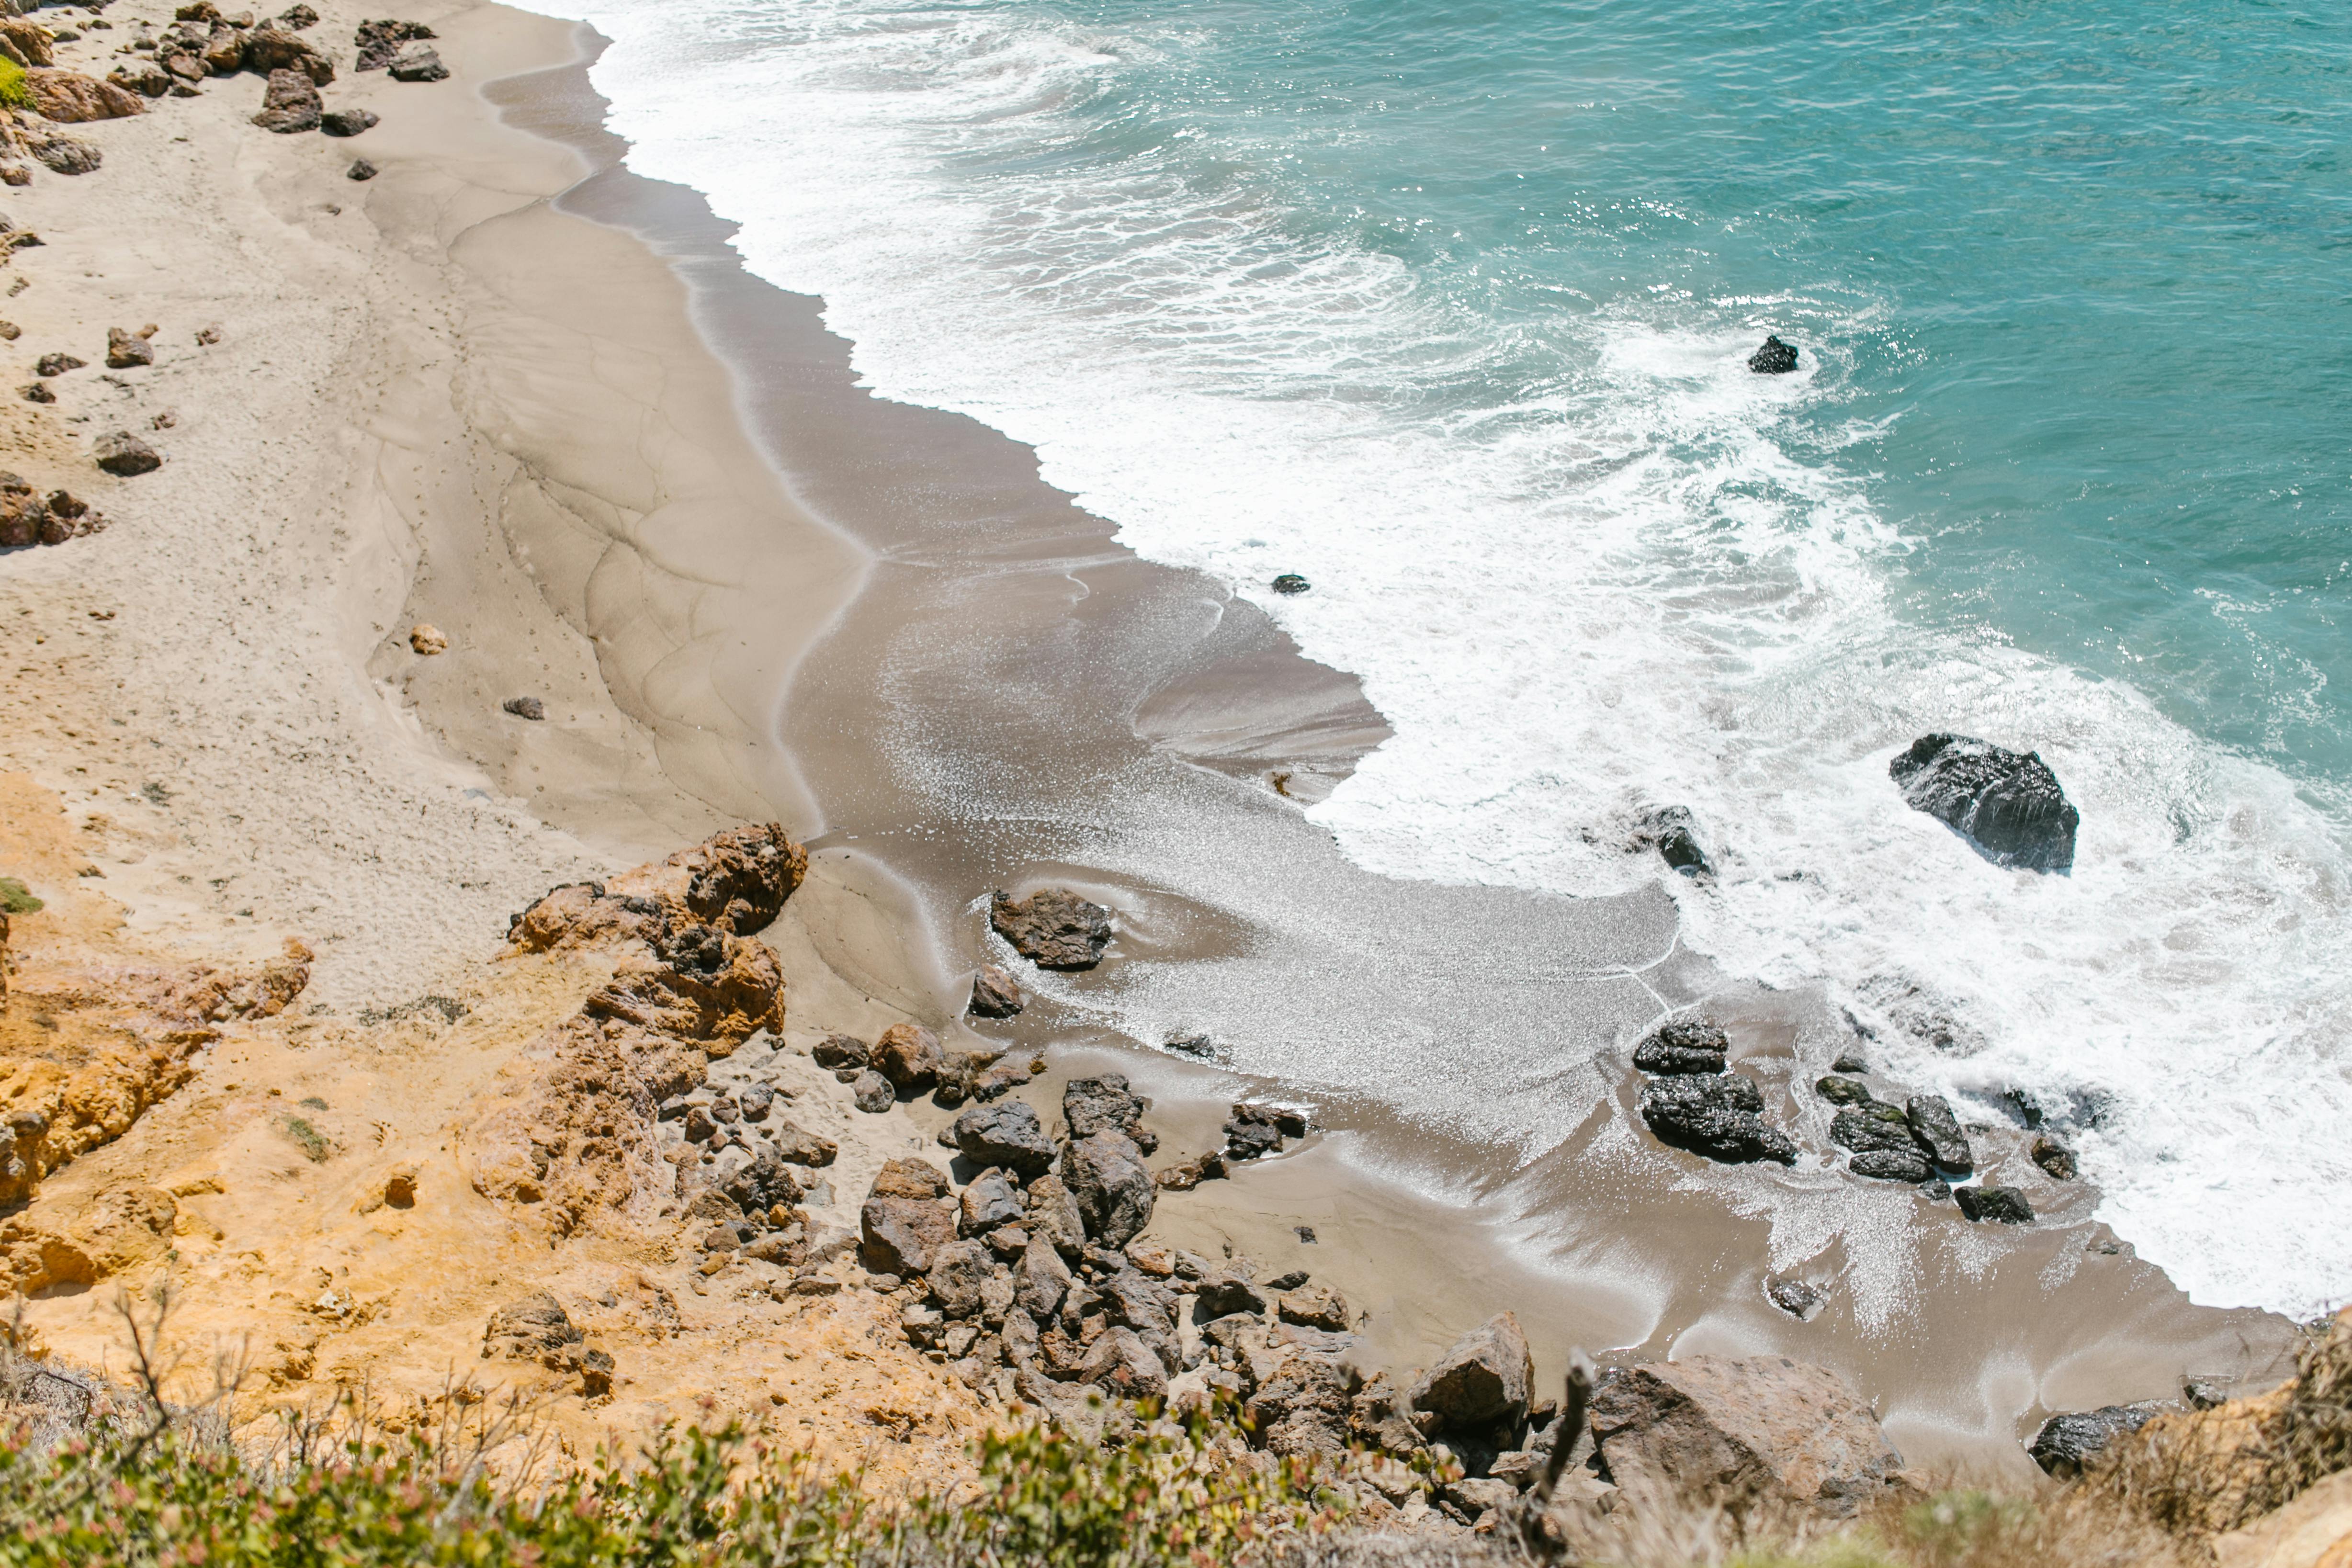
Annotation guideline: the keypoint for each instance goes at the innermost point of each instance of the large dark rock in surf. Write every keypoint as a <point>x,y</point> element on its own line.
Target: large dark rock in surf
<point>2067,1443</point>
<point>1938,1133</point>
<point>1880,1136</point>
<point>1685,1045</point>
<point>1054,928</point>
<point>1673,833</point>
<point>1714,1115</point>
<point>2006,803</point>
<point>995,994</point>
<point>1774,359</point>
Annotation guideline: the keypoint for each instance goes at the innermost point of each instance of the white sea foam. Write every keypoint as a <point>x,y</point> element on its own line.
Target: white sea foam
<point>1628,587</point>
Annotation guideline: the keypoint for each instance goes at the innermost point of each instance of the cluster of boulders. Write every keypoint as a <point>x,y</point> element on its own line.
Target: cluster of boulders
<point>907,1059</point>
<point>117,452</point>
<point>1693,1101</point>
<point>29,518</point>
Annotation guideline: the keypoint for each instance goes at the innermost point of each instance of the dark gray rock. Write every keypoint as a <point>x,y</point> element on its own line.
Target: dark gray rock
<point>1851,1061</point>
<point>2000,1205</point>
<point>1104,1105</point>
<point>756,1100</point>
<point>989,1201</point>
<point>530,708</point>
<point>995,994</point>
<point>1291,583</point>
<point>1054,928</point>
<point>1484,1378</point>
<point>1714,1115</point>
<point>1892,1164</point>
<point>361,169</point>
<point>1040,1279</point>
<point>840,1051</point>
<point>1124,1366</point>
<point>2056,1160</point>
<point>2067,1443</point>
<point>1113,1192</point>
<point>1938,1133</point>
<point>1672,831</point>
<point>1228,1292</point>
<point>1843,1091</point>
<point>1685,1045</point>
<point>1873,1127</point>
<point>1006,1134</point>
<point>379,41</point>
<point>348,121</point>
<point>1794,1297</point>
<point>957,1271</point>
<point>67,154</point>
<point>1774,359</point>
<point>2006,803</point>
<point>1053,1214</point>
<point>796,1145</point>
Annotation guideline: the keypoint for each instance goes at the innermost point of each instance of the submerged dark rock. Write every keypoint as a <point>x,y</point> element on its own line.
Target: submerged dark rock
<point>1774,359</point>
<point>2007,803</point>
<point>1290,583</point>
<point>1938,1133</point>
<point>1685,1045</point>
<point>2056,1160</point>
<point>1718,1115</point>
<point>1843,1091</point>
<point>1892,1164</point>
<point>1672,831</point>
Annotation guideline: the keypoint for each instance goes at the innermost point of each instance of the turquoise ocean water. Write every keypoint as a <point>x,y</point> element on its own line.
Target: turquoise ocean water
<point>1447,307</point>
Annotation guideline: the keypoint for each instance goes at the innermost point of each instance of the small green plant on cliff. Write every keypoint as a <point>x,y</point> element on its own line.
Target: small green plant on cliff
<point>13,91</point>
<point>312,1142</point>
<point>15,898</point>
<point>143,1493</point>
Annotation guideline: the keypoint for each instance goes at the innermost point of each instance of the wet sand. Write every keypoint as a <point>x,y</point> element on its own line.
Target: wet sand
<point>1011,699</point>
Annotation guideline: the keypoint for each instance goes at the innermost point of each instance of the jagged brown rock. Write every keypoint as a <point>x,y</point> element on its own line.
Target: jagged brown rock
<point>1107,1179</point>
<point>126,350</point>
<point>71,98</point>
<point>909,1055</point>
<point>1738,1433</point>
<point>1482,1379</point>
<point>995,994</point>
<point>292,105</point>
<point>1054,928</point>
<point>272,49</point>
<point>902,1222</point>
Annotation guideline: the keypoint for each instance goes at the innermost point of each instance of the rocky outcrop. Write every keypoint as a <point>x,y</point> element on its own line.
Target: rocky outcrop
<point>30,39</point>
<point>379,41</point>
<point>1481,1381</point>
<point>1774,359</point>
<point>1720,1115</point>
<point>2008,804</point>
<point>65,154</point>
<point>1104,1105</point>
<point>2067,1443</point>
<point>1007,1135</point>
<point>995,994</point>
<point>1685,1045</point>
<point>71,98</point>
<point>1737,1433</point>
<point>1054,928</point>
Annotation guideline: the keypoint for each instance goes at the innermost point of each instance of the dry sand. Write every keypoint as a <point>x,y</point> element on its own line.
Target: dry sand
<point>472,393</point>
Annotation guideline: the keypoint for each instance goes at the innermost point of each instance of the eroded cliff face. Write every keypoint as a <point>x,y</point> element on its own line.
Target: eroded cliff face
<point>332,1201</point>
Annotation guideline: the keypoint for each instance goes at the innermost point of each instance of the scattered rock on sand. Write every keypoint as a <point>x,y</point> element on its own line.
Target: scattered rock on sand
<point>361,169</point>
<point>1711,1429</point>
<point>1484,1378</point>
<point>1314,1307</point>
<point>39,392</point>
<point>347,122</point>
<point>1105,1103</point>
<point>2066,1444</point>
<point>2056,1160</point>
<point>299,16</point>
<point>2006,803</point>
<point>125,350</point>
<point>426,638</point>
<point>417,62</point>
<point>1774,359</point>
<point>2000,1205</point>
<point>67,155</point>
<point>144,77</point>
<point>995,994</point>
<point>1794,1297</point>
<point>1716,1115</point>
<point>378,41</point>
<point>525,707</point>
<point>909,1055</point>
<point>1054,928</point>
<point>871,1092</point>
<point>1685,1045</point>
<point>842,1054</point>
<point>290,105</point>
<point>71,98</point>
<point>271,49</point>
<point>124,453</point>
<point>1843,1091</point>
<point>57,364</point>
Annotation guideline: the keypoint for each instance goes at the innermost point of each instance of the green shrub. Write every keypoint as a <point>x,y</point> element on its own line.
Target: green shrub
<point>15,94</point>
<point>1165,1498</point>
<point>15,898</point>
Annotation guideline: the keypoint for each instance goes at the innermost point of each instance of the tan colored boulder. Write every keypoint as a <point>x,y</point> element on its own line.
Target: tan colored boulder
<point>31,40</point>
<point>909,1055</point>
<point>903,1224</point>
<point>2313,1531</point>
<point>69,97</point>
<point>1482,1378</point>
<point>1737,1433</point>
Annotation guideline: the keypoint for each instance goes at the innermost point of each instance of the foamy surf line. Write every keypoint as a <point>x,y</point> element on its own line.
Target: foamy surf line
<point>1614,584</point>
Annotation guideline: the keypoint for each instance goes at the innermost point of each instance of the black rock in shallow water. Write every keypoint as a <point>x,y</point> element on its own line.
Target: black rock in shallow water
<point>1670,832</point>
<point>1290,583</point>
<point>2067,1443</point>
<point>1938,1133</point>
<point>1774,359</point>
<point>2006,803</point>
<point>2002,1205</point>
<point>2056,1160</point>
<point>1716,1115</point>
<point>1843,1091</point>
<point>1892,1164</point>
<point>1685,1045</point>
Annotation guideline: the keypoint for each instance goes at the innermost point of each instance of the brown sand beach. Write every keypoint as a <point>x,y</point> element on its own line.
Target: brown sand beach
<point>507,426</point>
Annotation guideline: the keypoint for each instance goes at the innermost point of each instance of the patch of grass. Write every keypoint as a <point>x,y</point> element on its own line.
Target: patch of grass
<point>313,1101</point>
<point>313,1142</point>
<point>13,91</point>
<point>15,898</point>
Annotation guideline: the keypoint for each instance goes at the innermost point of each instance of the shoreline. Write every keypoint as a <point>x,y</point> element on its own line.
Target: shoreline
<point>529,552</point>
